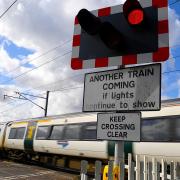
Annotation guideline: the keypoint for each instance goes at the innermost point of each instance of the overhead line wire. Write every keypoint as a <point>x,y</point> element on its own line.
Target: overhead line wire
<point>77,87</point>
<point>78,75</point>
<point>63,89</point>
<point>6,110</point>
<point>60,80</point>
<point>174,2</point>
<point>7,9</point>
<point>20,104</point>
<point>61,45</point>
<point>47,63</point>
<point>41,55</point>
<point>22,74</point>
<point>68,88</point>
<point>70,77</point>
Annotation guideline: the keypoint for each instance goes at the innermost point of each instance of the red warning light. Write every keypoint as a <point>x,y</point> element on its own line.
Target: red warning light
<point>133,12</point>
<point>136,17</point>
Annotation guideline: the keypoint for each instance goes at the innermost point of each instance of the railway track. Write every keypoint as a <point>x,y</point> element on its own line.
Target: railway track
<point>11,169</point>
<point>75,173</point>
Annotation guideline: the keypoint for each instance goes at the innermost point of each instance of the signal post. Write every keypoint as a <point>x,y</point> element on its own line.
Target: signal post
<point>135,32</point>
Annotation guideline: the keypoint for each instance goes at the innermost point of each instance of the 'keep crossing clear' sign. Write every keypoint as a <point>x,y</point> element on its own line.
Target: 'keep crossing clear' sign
<point>131,89</point>
<point>119,126</point>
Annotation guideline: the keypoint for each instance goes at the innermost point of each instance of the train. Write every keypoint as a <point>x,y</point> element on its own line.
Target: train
<point>65,140</point>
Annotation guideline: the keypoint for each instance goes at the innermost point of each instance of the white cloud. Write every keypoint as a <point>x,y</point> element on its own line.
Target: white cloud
<point>174,24</point>
<point>41,25</point>
<point>7,63</point>
<point>164,97</point>
<point>66,101</point>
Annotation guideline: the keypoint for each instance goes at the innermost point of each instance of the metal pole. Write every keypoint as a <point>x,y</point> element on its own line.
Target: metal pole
<point>119,151</point>
<point>119,159</point>
<point>46,107</point>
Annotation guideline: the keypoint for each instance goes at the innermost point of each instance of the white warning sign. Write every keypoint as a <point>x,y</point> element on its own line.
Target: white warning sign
<point>119,126</point>
<point>136,88</point>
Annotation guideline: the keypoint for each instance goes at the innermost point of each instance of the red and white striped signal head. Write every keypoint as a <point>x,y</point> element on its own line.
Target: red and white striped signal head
<point>118,35</point>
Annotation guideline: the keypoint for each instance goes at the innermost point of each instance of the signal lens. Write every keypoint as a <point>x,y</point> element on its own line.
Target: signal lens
<point>136,17</point>
<point>90,23</point>
<point>133,12</point>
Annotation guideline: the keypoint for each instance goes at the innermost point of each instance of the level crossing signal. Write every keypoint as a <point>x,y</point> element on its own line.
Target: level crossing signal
<point>133,33</point>
<point>133,12</point>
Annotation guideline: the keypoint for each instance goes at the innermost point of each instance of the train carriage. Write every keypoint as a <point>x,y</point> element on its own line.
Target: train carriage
<point>57,139</point>
<point>66,139</point>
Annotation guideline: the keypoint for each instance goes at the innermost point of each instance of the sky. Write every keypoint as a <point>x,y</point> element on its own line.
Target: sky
<point>35,55</point>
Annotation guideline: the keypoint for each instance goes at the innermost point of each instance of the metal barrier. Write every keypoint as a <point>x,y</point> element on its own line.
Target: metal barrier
<point>84,167</point>
<point>148,169</point>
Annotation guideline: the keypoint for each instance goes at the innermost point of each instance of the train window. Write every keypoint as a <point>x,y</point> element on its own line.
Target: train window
<point>20,133</point>
<point>89,132</point>
<point>17,133</point>
<point>57,132</point>
<point>72,132</point>
<point>156,130</point>
<point>12,133</point>
<point>177,130</point>
<point>42,132</point>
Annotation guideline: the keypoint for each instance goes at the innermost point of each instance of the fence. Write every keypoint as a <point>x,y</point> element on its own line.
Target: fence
<point>148,169</point>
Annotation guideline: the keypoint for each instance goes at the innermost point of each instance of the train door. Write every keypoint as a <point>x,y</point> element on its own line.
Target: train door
<point>28,142</point>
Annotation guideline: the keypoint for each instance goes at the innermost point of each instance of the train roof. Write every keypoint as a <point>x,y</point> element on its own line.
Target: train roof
<point>169,108</point>
<point>79,114</point>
